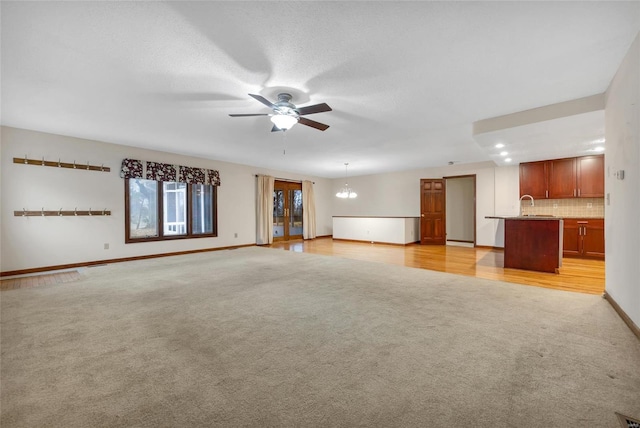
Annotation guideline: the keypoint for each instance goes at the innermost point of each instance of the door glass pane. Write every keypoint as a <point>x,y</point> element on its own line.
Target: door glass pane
<point>278,213</point>
<point>143,208</point>
<point>295,212</point>
<point>202,208</point>
<point>175,208</point>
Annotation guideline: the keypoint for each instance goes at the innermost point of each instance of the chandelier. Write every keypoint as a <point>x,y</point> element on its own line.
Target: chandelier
<point>346,192</point>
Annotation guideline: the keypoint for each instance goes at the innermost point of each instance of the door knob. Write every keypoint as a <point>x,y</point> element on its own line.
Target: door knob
<point>422,215</point>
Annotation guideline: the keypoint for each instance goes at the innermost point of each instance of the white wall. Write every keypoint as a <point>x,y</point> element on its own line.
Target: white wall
<point>507,185</point>
<point>622,227</point>
<point>390,230</point>
<point>460,209</point>
<point>398,195</point>
<point>33,242</point>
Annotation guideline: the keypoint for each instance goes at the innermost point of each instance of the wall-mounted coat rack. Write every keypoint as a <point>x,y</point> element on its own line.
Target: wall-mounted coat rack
<point>60,213</point>
<point>58,164</point>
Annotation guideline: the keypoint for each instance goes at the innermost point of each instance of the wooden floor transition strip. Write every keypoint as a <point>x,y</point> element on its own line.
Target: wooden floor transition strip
<point>39,280</point>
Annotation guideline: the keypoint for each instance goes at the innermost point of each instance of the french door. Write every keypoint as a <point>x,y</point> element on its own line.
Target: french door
<point>287,211</point>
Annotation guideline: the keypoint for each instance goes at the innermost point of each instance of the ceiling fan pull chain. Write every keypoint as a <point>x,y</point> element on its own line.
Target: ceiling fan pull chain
<point>284,143</point>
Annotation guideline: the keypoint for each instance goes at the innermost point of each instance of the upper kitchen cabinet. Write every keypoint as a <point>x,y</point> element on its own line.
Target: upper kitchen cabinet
<point>581,177</point>
<point>590,176</point>
<point>562,178</point>
<point>533,179</point>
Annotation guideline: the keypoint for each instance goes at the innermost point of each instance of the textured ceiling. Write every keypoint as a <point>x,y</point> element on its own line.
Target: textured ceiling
<point>405,80</point>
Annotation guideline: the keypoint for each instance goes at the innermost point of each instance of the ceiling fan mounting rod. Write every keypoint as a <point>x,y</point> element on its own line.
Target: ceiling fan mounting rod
<point>284,97</point>
<point>283,106</point>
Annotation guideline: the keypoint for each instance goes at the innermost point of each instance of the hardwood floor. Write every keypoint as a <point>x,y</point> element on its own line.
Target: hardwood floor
<point>580,275</point>
<point>584,276</point>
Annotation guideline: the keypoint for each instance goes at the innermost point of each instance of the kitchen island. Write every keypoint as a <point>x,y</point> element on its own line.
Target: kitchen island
<point>533,243</point>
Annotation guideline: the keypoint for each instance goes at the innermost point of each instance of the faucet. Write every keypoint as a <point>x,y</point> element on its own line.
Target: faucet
<point>525,196</point>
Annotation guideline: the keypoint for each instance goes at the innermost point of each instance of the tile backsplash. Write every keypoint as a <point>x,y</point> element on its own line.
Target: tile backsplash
<point>578,207</point>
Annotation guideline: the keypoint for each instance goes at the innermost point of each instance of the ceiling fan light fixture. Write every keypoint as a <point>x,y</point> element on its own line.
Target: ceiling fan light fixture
<point>283,121</point>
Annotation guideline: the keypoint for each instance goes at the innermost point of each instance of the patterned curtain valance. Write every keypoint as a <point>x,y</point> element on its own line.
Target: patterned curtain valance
<point>161,171</point>
<point>133,168</point>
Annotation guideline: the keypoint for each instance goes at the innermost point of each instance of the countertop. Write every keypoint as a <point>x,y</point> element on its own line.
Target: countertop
<point>524,217</point>
<point>537,217</point>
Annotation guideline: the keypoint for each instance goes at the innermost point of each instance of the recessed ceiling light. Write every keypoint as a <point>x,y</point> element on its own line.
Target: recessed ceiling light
<point>499,146</point>
<point>599,141</point>
<point>598,149</point>
<point>503,153</point>
<point>507,160</point>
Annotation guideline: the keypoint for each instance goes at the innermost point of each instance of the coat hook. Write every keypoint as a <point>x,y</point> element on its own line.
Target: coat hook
<point>42,160</point>
<point>75,211</point>
<point>42,212</point>
<point>60,212</point>
<point>24,212</point>
<point>74,164</point>
<point>90,213</point>
<point>104,211</point>
<point>102,168</point>
<point>59,165</point>
<point>87,166</point>
<point>25,159</point>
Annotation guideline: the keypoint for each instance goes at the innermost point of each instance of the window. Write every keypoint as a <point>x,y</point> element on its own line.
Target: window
<point>174,204</point>
<point>159,210</point>
<point>202,215</point>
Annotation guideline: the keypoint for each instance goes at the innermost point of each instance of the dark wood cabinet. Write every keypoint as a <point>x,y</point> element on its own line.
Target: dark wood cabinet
<point>533,244</point>
<point>593,239</point>
<point>533,179</point>
<point>583,238</point>
<point>581,177</point>
<point>571,237</point>
<point>562,178</point>
<point>590,176</point>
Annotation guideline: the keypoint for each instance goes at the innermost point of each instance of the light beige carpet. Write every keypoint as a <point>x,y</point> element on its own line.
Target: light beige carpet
<point>264,337</point>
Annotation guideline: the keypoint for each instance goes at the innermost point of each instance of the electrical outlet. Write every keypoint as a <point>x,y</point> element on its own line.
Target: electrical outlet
<point>555,205</point>
<point>589,205</point>
<point>106,246</point>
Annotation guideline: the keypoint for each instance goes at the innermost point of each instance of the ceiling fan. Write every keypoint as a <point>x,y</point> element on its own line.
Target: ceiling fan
<point>285,114</point>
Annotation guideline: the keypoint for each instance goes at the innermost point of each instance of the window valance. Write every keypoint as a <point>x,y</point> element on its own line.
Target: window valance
<point>134,168</point>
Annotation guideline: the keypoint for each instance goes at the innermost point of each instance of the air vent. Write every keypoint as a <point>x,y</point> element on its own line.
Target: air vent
<point>628,422</point>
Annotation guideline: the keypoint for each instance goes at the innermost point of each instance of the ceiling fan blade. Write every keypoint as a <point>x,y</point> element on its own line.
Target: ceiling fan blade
<point>275,129</point>
<point>263,100</point>
<point>312,123</point>
<point>254,114</point>
<point>317,108</point>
